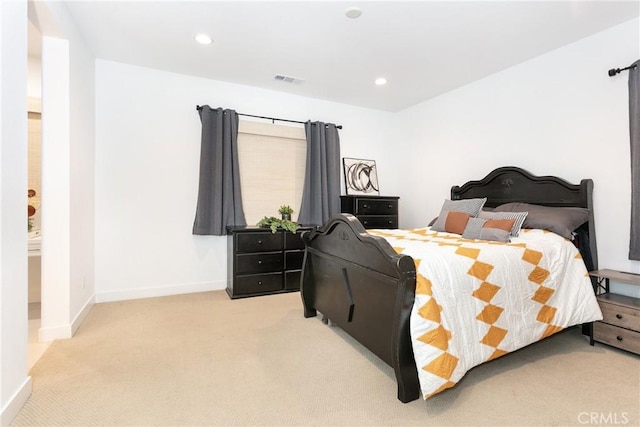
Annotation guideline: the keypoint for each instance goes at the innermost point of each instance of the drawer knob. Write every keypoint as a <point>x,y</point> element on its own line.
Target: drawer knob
<point>619,338</point>
<point>389,206</point>
<point>259,261</point>
<point>259,282</point>
<point>390,222</point>
<point>618,316</point>
<point>365,206</point>
<point>259,242</point>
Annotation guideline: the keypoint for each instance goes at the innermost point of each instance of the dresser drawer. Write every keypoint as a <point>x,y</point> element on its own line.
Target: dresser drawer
<point>617,337</point>
<point>259,283</point>
<point>259,263</point>
<point>376,207</point>
<point>293,240</point>
<point>617,315</point>
<point>378,221</point>
<point>292,279</point>
<point>258,242</point>
<point>293,260</point>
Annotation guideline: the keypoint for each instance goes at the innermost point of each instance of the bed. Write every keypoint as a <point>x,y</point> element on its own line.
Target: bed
<point>369,284</point>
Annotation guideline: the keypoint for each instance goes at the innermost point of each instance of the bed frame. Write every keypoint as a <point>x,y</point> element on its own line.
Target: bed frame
<point>358,282</point>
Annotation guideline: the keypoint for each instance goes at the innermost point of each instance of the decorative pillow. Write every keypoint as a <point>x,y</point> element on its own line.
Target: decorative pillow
<point>456,222</point>
<point>518,218</point>
<point>468,206</point>
<point>483,229</point>
<point>560,220</point>
<point>503,224</point>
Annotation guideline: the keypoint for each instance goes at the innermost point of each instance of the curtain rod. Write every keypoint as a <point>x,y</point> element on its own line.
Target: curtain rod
<point>614,71</point>
<point>198,107</point>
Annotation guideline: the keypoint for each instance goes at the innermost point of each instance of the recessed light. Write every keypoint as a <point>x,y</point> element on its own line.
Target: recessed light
<point>353,12</point>
<point>203,39</point>
<point>381,81</point>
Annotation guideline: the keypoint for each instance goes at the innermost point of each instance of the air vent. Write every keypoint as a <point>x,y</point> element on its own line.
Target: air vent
<point>287,79</point>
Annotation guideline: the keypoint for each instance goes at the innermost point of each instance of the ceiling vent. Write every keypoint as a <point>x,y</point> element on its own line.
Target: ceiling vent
<point>287,79</point>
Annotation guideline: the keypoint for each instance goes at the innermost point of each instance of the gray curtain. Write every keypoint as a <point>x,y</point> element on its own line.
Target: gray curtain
<point>219,197</point>
<point>321,192</point>
<point>634,131</point>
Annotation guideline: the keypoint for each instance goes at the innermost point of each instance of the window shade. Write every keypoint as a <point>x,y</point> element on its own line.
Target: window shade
<point>272,165</point>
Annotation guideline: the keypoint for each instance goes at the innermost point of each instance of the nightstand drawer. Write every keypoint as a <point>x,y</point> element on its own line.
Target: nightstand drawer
<point>376,207</point>
<point>620,316</point>
<point>259,283</point>
<point>259,242</point>
<point>617,337</point>
<point>259,263</point>
<point>378,221</point>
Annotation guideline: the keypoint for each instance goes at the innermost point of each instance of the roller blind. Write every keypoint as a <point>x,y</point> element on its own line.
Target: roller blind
<point>272,160</point>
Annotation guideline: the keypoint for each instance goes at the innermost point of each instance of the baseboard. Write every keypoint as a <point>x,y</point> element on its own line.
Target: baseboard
<point>88,305</point>
<point>16,403</point>
<point>67,331</point>
<point>161,291</point>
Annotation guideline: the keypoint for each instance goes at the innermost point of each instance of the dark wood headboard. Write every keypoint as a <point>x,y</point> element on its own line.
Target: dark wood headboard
<point>513,184</point>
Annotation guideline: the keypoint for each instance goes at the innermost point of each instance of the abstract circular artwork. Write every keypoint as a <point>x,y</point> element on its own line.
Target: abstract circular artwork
<point>360,176</point>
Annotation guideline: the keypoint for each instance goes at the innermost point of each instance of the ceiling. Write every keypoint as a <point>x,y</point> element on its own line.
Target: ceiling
<point>422,48</point>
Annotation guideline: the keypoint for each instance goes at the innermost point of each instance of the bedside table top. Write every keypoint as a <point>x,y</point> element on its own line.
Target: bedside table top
<point>620,276</point>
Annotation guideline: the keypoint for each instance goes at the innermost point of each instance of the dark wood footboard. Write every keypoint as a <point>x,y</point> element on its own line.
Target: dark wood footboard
<point>362,285</point>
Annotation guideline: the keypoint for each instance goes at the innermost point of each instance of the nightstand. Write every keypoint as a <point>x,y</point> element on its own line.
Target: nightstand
<point>620,326</point>
<point>372,211</point>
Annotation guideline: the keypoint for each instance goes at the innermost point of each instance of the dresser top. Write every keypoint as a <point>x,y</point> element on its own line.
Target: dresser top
<point>363,196</point>
<point>254,228</point>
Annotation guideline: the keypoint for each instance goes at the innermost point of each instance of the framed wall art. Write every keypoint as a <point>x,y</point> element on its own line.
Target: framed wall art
<point>360,177</point>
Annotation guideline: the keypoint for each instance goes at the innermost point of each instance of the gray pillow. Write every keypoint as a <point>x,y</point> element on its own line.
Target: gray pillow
<point>468,206</point>
<point>475,230</point>
<point>560,220</point>
<point>519,218</point>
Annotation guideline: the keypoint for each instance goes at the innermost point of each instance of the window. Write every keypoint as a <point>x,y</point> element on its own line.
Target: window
<point>272,160</point>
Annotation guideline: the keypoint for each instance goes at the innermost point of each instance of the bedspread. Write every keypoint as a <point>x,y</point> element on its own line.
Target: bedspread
<point>478,300</point>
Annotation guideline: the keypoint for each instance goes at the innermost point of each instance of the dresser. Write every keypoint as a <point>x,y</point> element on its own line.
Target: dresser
<point>372,211</point>
<point>261,262</point>
<point>620,326</point>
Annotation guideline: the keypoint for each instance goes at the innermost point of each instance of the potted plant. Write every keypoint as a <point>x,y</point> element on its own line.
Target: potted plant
<point>285,211</point>
<point>275,223</point>
<point>283,222</point>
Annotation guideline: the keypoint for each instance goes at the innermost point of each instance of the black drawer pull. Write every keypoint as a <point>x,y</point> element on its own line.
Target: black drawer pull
<point>365,207</point>
<point>619,338</point>
<point>259,261</point>
<point>390,222</point>
<point>259,282</point>
<point>390,206</point>
<point>618,316</point>
<point>259,242</point>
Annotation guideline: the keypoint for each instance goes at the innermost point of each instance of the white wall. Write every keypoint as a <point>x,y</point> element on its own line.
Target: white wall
<point>147,160</point>
<point>34,77</point>
<point>558,114</point>
<point>15,385</point>
<point>67,171</point>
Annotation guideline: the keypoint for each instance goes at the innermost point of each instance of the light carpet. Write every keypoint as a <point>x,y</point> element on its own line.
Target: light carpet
<point>203,359</point>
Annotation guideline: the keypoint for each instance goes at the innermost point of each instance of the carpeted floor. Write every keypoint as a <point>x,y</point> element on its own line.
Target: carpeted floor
<point>202,359</point>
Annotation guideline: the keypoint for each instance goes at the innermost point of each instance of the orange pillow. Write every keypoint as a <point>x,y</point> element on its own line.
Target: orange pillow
<point>502,224</point>
<point>456,222</point>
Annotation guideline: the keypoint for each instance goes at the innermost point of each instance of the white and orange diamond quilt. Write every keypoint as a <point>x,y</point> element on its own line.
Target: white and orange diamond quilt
<point>478,300</point>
